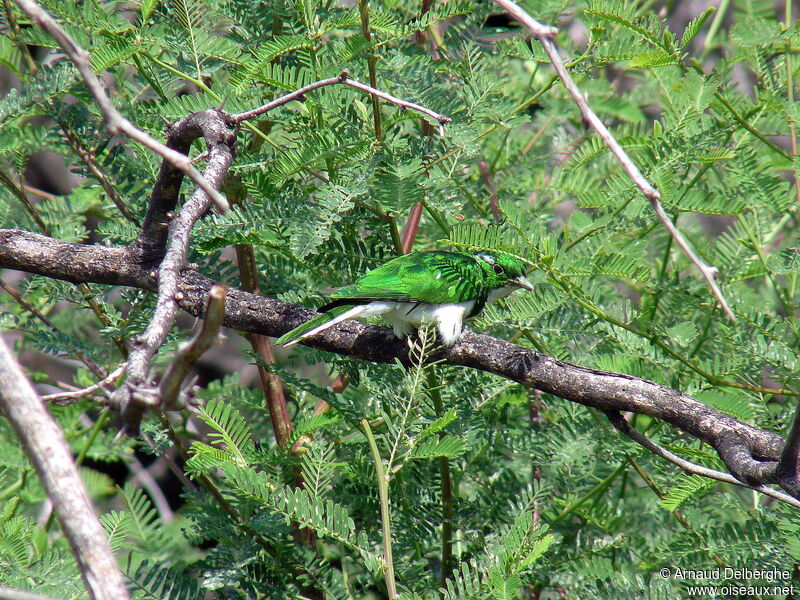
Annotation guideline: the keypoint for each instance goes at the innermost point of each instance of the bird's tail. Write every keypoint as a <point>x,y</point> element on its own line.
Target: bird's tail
<point>320,323</point>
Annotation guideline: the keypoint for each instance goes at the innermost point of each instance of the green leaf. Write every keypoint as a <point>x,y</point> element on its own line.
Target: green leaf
<point>683,334</point>
<point>695,25</point>
<point>653,58</point>
<point>332,202</point>
<point>504,587</point>
<point>437,425</point>
<point>447,446</point>
<point>398,184</point>
<point>229,428</point>
<point>276,47</point>
<point>731,402</point>
<point>146,8</point>
<point>616,19</point>
<point>619,108</point>
<point>539,548</point>
<point>688,487</point>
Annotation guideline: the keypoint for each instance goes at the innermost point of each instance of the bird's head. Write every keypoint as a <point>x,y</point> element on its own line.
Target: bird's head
<point>504,272</point>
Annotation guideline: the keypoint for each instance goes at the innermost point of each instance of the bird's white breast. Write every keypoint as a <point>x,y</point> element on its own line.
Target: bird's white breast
<point>406,316</point>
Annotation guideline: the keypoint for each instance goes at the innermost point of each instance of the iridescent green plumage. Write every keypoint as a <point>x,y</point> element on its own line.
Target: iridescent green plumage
<point>443,287</point>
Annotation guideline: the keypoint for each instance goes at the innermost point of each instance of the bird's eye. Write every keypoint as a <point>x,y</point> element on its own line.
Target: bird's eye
<point>498,269</point>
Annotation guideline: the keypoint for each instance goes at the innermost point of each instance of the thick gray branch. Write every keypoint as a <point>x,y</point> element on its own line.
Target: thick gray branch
<point>49,452</point>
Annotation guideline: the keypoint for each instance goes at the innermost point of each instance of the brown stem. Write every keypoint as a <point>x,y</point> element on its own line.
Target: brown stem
<point>271,384</point>
<point>372,60</point>
<point>412,226</point>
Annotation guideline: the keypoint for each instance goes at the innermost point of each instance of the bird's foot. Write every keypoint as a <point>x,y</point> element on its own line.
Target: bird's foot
<point>402,331</point>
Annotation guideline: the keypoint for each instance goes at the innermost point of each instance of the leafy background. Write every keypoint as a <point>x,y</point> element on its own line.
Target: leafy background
<point>547,501</point>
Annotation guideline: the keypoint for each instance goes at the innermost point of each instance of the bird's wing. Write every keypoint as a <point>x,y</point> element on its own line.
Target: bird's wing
<point>430,277</point>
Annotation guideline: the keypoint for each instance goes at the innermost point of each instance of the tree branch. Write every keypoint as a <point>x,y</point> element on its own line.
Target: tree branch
<point>64,398</point>
<point>50,455</point>
<point>345,79</point>
<point>131,399</point>
<point>189,351</point>
<point>787,470</point>
<point>689,467</point>
<point>12,594</point>
<point>750,453</point>
<point>544,34</point>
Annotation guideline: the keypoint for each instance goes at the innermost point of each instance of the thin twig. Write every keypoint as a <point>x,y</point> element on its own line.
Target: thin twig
<point>343,78</point>
<point>115,122</point>
<point>188,352</point>
<point>544,35</point>
<point>145,478</point>
<point>6,181</point>
<point>689,467</point>
<point>17,38</point>
<point>386,519</point>
<point>79,354</point>
<point>37,192</point>
<point>170,461</point>
<point>12,594</point>
<point>48,451</point>
<point>62,398</point>
<point>372,61</point>
<point>91,163</point>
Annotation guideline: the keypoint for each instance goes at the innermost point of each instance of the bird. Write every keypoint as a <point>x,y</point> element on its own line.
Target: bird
<point>438,287</point>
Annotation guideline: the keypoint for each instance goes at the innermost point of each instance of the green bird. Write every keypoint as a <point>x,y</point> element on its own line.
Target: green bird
<point>442,288</point>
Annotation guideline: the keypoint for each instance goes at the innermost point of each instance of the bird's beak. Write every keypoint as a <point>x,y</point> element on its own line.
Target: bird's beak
<point>522,282</point>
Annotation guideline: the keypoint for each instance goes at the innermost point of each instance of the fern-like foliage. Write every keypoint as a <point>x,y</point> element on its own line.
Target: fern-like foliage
<point>494,490</point>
